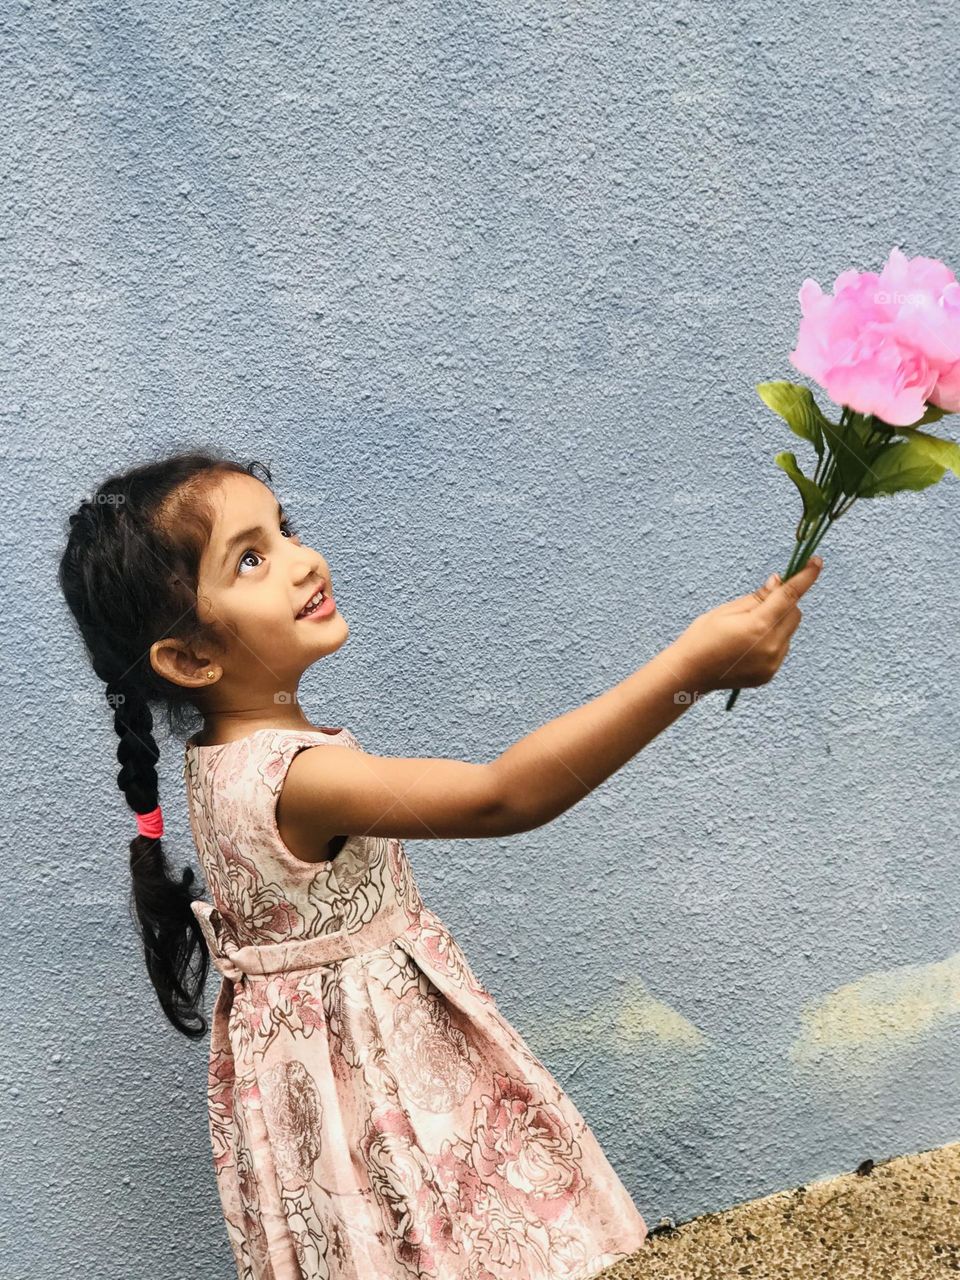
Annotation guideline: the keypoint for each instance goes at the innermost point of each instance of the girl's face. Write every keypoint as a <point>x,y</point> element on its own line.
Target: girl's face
<point>256,575</point>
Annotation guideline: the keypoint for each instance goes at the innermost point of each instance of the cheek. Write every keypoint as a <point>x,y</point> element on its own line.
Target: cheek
<point>260,613</point>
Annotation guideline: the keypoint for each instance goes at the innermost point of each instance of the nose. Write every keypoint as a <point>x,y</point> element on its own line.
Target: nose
<point>309,565</point>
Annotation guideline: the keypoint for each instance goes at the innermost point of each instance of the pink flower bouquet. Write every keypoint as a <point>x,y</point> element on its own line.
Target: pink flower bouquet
<point>886,348</point>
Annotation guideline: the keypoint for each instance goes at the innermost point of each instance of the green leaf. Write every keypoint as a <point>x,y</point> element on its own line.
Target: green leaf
<point>814,500</point>
<point>945,452</point>
<point>848,443</point>
<point>799,409</point>
<point>902,465</point>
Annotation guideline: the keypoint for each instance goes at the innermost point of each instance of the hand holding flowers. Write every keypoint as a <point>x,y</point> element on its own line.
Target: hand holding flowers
<point>886,348</point>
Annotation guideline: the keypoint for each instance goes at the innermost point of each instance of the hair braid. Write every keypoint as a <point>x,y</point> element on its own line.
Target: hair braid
<point>160,902</point>
<point>129,574</point>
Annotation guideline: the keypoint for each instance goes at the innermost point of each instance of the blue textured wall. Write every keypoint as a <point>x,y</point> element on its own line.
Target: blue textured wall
<point>490,287</point>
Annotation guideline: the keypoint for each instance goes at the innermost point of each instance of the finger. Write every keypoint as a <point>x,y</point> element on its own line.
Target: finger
<point>771,584</point>
<point>784,596</point>
<point>753,598</point>
<point>778,633</point>
<point>782,630</point>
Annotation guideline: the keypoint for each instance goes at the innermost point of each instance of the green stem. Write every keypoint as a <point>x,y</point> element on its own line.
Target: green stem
<point>826,458</point>
<point>804,550</point>
<point>824,477</point>
<point>809,537</point>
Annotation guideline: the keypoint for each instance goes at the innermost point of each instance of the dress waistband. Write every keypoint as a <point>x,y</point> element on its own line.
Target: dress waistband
<point>234,961</point>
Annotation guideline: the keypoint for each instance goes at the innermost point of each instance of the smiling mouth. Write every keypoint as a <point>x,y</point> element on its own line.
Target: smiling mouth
<point>313,604</point>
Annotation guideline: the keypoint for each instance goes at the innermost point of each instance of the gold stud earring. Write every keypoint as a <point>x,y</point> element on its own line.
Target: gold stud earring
<point>211,675</point>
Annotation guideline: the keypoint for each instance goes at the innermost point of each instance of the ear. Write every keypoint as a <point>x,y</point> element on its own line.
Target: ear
<point>178,663</point>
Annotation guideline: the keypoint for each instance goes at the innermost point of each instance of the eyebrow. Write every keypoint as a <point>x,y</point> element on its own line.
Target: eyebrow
<point>244,534</point>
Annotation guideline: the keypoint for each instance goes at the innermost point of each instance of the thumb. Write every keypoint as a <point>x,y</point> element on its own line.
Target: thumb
<point>786,594</point>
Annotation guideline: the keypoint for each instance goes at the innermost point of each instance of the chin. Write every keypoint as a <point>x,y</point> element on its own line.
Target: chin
<point>342,631</point>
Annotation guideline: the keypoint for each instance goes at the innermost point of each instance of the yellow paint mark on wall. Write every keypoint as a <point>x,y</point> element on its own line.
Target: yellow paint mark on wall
<point>621,1022</point>
<point>641,1014</point>
<point>881,1010</point>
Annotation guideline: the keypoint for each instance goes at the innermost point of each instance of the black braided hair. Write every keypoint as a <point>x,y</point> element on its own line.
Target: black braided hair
<point>129,574</point>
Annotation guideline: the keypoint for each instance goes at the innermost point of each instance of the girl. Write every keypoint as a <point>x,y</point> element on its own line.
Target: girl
<point>373,1115</point>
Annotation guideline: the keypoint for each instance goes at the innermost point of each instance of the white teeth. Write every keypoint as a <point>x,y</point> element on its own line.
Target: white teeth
<point>311,605</point>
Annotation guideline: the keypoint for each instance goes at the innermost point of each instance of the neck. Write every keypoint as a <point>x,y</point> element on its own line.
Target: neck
<point>224,726</point>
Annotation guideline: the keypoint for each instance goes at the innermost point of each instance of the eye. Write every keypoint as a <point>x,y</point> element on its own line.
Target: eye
<point>285,527</point>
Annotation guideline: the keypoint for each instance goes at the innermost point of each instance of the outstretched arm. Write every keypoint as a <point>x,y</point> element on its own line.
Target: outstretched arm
<point>331,790</point>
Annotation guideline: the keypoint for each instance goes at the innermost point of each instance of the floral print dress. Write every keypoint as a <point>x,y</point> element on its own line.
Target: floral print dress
<point>373,1115</point>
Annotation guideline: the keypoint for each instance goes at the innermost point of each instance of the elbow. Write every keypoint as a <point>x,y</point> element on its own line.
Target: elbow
<point>507,821</point>
<point>512,810</point>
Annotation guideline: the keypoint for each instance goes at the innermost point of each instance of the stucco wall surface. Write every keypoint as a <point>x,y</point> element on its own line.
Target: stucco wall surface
<point>490,288</point>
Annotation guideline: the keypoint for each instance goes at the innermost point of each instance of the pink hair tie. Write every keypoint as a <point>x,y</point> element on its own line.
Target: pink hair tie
<point>151,824</point>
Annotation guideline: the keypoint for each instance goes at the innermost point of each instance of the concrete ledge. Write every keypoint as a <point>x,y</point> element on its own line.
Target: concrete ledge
<point>896,1219</point>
